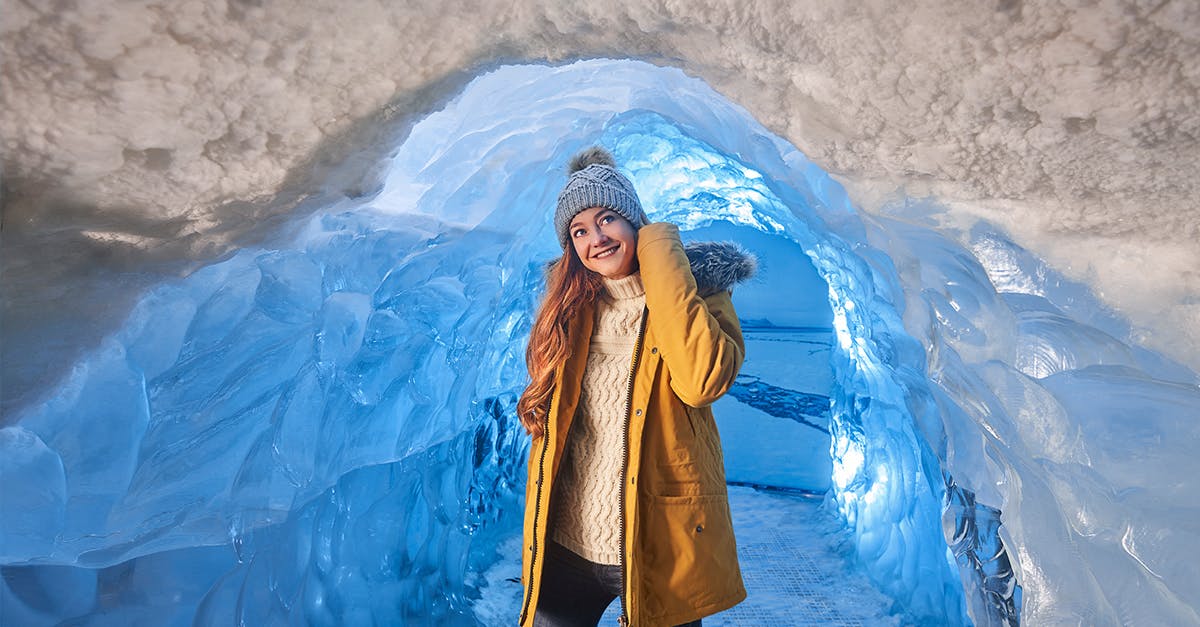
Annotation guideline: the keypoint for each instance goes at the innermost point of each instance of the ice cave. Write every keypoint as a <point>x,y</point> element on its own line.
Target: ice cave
<point>269,272</point>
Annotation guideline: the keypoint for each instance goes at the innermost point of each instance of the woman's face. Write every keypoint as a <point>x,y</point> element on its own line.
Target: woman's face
<point>605,241</point>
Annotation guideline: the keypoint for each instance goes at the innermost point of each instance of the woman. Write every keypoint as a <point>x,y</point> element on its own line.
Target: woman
<point>635,339</point>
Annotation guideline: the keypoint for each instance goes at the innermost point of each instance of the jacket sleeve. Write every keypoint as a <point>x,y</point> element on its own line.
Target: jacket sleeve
<point>699,338</point>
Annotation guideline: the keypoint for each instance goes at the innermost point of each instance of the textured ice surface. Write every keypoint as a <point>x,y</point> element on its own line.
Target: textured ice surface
<point>321,430</point>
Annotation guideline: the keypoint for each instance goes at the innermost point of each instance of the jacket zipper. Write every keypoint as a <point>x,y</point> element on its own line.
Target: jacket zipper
<point>623,619</point>
<point>537,507</point>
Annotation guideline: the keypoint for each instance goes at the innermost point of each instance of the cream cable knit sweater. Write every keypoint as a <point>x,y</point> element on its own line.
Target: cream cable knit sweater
<point>586,513</point>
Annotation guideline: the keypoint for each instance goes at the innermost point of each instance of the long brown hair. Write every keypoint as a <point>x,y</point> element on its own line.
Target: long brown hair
<point>569,287</point>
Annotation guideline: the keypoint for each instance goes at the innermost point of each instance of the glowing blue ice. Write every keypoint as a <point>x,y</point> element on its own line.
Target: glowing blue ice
<point>323,432</point>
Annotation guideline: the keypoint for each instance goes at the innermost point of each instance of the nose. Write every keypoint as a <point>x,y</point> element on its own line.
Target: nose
<point>599,238</point>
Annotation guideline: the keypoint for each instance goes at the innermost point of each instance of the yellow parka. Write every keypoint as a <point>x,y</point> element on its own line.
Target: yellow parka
<point>679,554</point>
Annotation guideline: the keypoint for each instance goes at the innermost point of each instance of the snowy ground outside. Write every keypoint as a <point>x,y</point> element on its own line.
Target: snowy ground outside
<point>790,447</point>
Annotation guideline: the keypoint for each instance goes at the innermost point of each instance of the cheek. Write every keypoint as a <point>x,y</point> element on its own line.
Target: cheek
<point>624,233</point>
<point>630,239</point>
<point>580,248</point>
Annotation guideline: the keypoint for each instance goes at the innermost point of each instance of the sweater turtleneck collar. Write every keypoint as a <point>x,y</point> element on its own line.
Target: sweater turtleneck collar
<point>624,288</point>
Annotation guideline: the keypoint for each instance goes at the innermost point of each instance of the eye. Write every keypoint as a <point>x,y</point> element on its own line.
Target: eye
<point>608,217</point>
<point>578,232</point>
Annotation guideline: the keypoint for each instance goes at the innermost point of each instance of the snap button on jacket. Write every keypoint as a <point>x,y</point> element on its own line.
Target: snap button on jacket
<point>679,553</point>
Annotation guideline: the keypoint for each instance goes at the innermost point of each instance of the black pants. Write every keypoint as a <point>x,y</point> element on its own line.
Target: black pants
<point>575,591</point>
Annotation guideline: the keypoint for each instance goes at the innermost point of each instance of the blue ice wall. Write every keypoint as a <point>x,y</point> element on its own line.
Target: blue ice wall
<point>322,431</point>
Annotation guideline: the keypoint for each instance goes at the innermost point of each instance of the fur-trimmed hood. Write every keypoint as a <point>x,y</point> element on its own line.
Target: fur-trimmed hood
<point>719,266</point>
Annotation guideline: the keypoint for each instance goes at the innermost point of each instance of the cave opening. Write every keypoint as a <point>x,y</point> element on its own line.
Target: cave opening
<point>324,428</point>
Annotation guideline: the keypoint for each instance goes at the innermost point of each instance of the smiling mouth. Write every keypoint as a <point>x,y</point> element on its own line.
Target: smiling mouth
<point>606,253</point>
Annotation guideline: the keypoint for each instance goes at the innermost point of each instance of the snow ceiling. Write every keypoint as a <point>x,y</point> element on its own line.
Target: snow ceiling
<point>151,135</point>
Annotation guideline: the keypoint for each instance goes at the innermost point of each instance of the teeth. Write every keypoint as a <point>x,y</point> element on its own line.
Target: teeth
<point>605,253</point>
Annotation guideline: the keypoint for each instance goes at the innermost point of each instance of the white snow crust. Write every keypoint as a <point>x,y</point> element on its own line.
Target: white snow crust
<point>172,129</point>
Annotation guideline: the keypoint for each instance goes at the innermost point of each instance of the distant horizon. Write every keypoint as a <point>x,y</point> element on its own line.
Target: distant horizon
<point>764,324</point>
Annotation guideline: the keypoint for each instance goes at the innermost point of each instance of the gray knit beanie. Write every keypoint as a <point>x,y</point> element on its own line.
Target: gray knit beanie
<point>595,182</point>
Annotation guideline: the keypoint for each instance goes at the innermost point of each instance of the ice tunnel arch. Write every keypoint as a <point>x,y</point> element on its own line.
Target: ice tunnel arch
<point>396,299</point>
<point>437,211</point>
<point>686,140</point>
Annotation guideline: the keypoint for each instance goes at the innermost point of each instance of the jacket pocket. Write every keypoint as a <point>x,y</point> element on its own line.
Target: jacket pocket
<point>691,554</point>
<point>679,479</point>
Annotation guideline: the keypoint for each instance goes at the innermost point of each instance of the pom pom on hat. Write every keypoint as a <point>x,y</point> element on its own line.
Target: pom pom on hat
<point>590,156</point>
